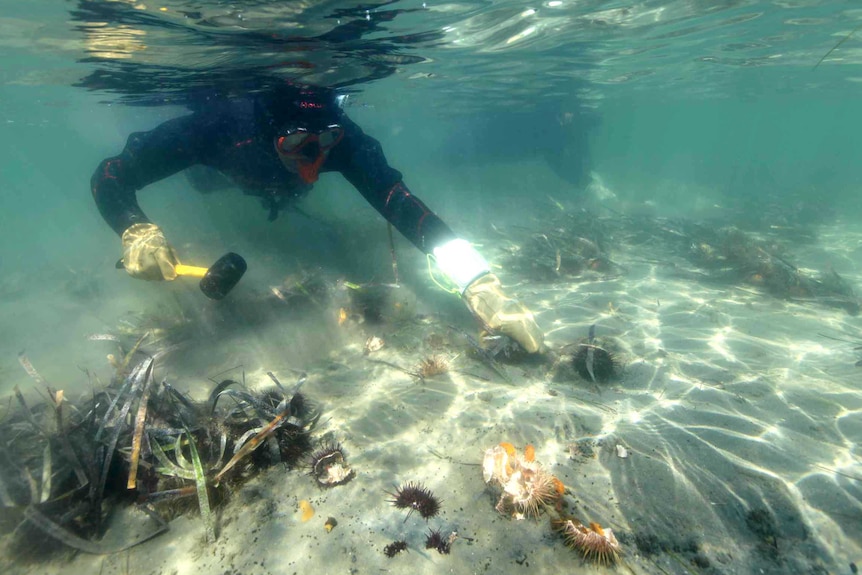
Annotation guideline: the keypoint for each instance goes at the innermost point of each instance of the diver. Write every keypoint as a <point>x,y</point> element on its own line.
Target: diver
<point>274,145</point>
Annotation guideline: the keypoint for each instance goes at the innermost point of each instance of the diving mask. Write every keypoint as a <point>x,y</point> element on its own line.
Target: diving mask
<point>303,151</point>
<point>293,142</point>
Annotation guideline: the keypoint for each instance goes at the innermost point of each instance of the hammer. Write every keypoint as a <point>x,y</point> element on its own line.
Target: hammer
<point>218,279</point>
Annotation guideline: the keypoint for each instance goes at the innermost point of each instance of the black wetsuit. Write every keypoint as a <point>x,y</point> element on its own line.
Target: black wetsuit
<point>236,138</point>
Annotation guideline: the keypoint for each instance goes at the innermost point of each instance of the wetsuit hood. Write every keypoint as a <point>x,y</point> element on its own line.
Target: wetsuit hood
<point>293,106</point>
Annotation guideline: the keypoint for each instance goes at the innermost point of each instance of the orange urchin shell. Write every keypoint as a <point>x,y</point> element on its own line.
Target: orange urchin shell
<point>594,543</point>
<point>535,488</point>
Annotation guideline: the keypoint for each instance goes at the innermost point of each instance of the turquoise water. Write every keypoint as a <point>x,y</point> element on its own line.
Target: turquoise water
<point>507,118</point>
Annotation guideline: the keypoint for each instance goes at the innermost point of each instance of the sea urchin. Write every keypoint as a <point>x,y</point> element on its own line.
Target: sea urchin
<point>594,542</point>
<point>416,497</point>
<point>594,363</point>
<point>432,365</point>
<point>435,540</point>
<point>395,548</point>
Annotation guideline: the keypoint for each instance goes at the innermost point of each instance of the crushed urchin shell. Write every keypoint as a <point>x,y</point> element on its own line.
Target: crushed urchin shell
<point>416,497</point>
<point>395,548</point>
<point>527,486</point>
<point>495,465</point>
<point>373,344</point>
<point>329,468</point>
<point>595,543</point>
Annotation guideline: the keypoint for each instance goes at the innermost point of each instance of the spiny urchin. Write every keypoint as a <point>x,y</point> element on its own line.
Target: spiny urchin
<point>594,363</point>
<point>432,365</point>
<point>395,548</point>
<point>416,497</point>
<point>595,543</point>
<point>435,540</point>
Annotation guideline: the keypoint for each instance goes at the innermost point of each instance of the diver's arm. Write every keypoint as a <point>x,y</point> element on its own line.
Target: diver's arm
<point>360,159</point>
<point>148,157</point>
<point>362,162</point>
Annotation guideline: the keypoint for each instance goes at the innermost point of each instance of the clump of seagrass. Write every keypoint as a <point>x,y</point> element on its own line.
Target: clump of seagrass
<point>303,290</point>
<point>572,244</point>
<point>59,464</point>
<point>67,466</point>
<point>734,255</point>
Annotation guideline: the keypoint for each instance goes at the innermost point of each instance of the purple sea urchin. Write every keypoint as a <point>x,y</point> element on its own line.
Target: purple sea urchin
<point>595,363</point>
<point>416,497</point>
<point>435,540</point>
<point>395,548</point>
<point>329,468</point>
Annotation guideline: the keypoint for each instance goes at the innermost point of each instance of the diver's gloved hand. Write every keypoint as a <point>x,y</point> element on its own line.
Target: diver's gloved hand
<point>483,294</point>
<point>147,254</point>
<point>500,313</point>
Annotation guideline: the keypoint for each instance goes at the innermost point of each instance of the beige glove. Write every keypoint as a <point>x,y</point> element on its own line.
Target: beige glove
<point>500,313</point>
<point>147,254</point>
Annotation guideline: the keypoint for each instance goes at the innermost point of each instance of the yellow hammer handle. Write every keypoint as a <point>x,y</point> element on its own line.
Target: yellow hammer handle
<point>193,271</point>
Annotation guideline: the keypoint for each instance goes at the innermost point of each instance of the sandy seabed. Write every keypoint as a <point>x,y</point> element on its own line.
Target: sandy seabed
<point>739,418</point>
